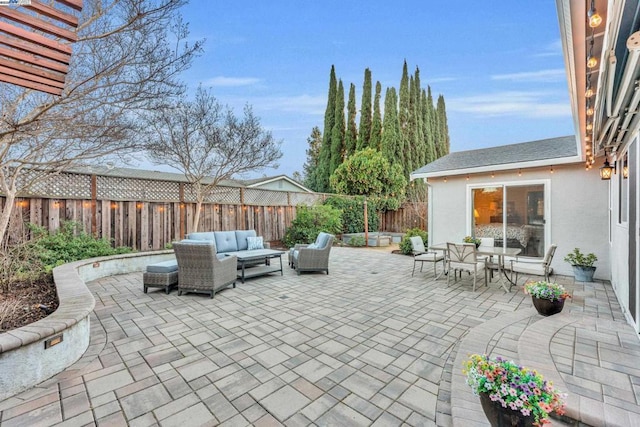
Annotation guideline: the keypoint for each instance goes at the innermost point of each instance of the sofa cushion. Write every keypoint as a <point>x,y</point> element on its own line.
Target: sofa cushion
<point>241,238</point>
<point>203,235</point>
<point>255,243</point>
<point>226,241</point>
<point>322,239</point>
<point>163,267</point>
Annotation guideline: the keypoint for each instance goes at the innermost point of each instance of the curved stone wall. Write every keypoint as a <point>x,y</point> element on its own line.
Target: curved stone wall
<point>26,359</point>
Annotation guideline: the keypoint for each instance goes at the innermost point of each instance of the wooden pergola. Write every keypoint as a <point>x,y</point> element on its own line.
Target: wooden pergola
<point>36,52</point>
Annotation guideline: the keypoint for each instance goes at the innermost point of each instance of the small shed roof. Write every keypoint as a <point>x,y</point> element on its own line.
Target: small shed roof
<point>252,183</point>
<point>513,156</point>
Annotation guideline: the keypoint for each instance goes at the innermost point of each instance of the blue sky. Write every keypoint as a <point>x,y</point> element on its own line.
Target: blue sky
<point>498,64</point>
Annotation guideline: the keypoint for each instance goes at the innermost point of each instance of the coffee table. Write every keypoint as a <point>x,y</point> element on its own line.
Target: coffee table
<point>250,257</point>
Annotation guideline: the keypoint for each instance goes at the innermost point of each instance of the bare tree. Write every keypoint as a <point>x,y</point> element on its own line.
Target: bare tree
<point>128,57</point>
<point>208,143</point>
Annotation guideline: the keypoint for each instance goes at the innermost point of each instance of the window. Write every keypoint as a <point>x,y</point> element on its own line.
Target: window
<point>513,215</point>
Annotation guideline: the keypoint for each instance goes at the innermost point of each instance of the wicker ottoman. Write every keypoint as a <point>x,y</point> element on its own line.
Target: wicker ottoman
<point>161,275</point>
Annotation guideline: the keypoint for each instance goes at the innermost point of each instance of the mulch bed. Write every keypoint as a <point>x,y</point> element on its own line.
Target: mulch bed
<point>27,303</point>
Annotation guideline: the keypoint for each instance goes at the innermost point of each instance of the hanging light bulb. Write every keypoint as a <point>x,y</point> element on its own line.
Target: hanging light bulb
<point>594,17</point>
<point>590,111</point>
<point>592,61</point>
<point>589,92</point>
<point>589,126</point>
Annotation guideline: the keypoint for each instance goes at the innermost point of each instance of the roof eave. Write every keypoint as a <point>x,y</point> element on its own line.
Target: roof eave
<point>501,167</point>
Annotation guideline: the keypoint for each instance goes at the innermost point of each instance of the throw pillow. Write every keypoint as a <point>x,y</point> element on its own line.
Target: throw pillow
<point>255,243</point>
<point>312,246</point>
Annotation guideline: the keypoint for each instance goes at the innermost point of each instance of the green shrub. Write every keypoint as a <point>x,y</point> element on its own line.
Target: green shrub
<point>69,243</point>
<point>353,213</point>
<point>405,243</point>
<point>311,220</point>
<point>357,241</point>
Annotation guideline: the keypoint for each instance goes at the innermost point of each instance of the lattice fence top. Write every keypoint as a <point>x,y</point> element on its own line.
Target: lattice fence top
<point>72,185</point>
<point>58,186</point>
<point>254,196</point>
<point>113,188</point>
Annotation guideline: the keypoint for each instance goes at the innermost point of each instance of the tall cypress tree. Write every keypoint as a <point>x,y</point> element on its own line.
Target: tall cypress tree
<point>376,125</point>
<point>337,133</point>
<point>329,120</point>
<point>364,133</point>
<point>388,126</point>
<point>310,166</point>
<point>351,136</point>
<point>404,118</point>
<point>418,134</point>
<point>429,149</point>
<point>443,126</point>
<point>432,139</point>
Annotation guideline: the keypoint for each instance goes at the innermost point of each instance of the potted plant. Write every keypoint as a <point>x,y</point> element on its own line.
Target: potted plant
<point>548,298</point>
<point>583,268</point>
<point>471,239</point>
<point>511,394</point>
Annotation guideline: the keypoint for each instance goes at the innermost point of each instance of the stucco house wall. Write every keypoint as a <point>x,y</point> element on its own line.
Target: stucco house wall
<point>577,216</point>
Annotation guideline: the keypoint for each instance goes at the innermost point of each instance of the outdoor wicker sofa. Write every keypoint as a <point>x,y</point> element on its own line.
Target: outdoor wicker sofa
<point>199,270</point>
<point>313,257</point>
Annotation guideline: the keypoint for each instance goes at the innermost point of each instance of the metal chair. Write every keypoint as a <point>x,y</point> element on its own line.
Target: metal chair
<point>534,266</point>
<point>422,255</point>
<point>463,257</point>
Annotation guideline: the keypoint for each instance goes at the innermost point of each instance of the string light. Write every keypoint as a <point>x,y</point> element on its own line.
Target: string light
<point>551,169</point>
<point>594,17</point>
<point>519,172</point>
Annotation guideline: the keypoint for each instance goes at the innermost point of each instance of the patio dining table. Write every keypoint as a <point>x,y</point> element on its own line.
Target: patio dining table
<point>498,252</point>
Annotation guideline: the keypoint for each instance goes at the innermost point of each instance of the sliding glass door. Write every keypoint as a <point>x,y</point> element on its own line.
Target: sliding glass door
<point>513,215</point>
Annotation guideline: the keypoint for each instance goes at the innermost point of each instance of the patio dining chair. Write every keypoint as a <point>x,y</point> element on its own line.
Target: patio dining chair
<point>422,255</point>
<point>534,266</point>
<point>463,257</point>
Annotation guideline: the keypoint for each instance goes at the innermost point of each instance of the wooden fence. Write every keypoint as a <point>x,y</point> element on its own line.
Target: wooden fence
<point>149,214</point>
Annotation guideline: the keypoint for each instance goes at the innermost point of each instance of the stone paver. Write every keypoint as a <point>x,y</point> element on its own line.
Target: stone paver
<point>366,345</point>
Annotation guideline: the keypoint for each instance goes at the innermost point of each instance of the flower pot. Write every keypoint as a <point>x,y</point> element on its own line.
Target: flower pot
<point>583,274</point>
<point>503,417</point>
<point>547,307</point>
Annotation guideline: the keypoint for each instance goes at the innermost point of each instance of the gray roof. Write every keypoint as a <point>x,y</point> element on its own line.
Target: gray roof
<point>545,149</point>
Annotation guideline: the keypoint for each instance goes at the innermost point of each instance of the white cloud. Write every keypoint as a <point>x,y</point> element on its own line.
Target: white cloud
<point>303,104</point>
<point>440,80</point>
<point>231,81</point>
<point>552,49</point>
<point>546,76</point>
<point>519,104</point>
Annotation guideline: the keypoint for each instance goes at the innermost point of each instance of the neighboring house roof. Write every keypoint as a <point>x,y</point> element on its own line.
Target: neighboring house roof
<point>526,154</point>
<point>143,174</point>
<point>253,183</point>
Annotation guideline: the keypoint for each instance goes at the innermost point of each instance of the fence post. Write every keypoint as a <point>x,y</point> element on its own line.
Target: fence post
<point>94,205</point>
<point>181,213</point>
<point>366,225</point>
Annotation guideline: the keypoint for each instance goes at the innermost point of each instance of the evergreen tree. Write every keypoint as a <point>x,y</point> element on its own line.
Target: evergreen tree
<point>404,117</point>
<point>310,166</point>
<point>432,126</point>
<point>364,133</point>
<point>389,136</point>
<point>429,153</point>
<point>352,129</point>
<point>322,174</point>
<point>443,126</point>
<point>337,133</point>
<point>418,134</point>
<point>376,126</point>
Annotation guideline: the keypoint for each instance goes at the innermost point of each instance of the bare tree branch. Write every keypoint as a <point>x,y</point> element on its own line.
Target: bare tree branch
<point>208,143</point>
<point>123,63</point>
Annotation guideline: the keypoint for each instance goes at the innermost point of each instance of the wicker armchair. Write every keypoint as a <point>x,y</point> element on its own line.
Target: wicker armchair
<point>314,257</point>
<point>199,270</point>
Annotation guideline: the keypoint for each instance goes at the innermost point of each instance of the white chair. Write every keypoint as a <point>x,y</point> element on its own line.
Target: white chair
<point>421,255</point>
<point>463,257</point>
<point>491,265</point>
<point>534,266</point>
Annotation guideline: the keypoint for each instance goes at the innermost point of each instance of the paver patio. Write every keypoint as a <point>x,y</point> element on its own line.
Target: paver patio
<point>366,345</point>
